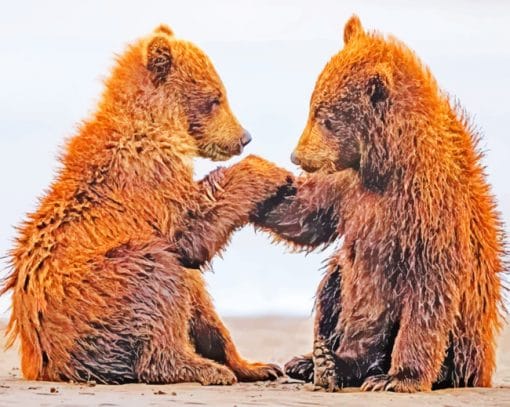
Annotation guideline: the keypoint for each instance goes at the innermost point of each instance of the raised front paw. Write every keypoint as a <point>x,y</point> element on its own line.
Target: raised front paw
<point>254,372</point>
<point>385,382</point>
<point>300,368</point>
<point>257,170</point>
<point>263,208</point>
<point>324,366</point>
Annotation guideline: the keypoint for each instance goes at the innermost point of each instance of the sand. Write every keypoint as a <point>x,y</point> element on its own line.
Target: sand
<point>273,339</point>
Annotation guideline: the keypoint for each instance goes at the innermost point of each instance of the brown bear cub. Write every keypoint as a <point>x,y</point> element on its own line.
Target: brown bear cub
<point>106,273</point>
<point>411,300</point>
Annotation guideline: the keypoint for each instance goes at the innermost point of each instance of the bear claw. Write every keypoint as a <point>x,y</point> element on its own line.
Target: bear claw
<point>324,366</point>
<point>385,382</point>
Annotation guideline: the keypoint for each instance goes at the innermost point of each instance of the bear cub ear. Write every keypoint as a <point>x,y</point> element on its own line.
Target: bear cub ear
<point>164,29</point>
<point>352,28</point>
<point>159,59</point>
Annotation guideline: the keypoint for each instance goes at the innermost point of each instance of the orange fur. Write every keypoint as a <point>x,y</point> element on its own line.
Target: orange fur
<point>412,298</point>
<point>105,274</point>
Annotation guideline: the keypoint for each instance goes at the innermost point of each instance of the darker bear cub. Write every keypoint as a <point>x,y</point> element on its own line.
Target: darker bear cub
<point>411,300</point>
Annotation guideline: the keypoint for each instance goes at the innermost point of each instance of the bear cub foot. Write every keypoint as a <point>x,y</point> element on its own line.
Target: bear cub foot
<point>386,382</point>
<point>254,372</point>
<point>324,366</point>
<point>300,368</point>
<point>215,374</point>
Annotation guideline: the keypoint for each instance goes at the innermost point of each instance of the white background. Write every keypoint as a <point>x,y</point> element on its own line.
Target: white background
<point>269,53</point>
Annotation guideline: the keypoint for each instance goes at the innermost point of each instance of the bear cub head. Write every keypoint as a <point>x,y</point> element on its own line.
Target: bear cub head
<point>174,84</point>
<point>359,107</point>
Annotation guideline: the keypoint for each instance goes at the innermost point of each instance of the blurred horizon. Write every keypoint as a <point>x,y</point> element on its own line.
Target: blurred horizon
<point>268,54</point>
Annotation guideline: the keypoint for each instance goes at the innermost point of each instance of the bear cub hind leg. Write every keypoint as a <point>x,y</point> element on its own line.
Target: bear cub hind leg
<point>212,340</point>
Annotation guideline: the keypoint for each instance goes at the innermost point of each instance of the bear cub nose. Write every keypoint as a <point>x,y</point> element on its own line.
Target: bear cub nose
<point>294,159</point>
<point>246,138</point>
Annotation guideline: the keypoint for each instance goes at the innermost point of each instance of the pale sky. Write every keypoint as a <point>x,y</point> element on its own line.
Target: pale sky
<point>269,54</point>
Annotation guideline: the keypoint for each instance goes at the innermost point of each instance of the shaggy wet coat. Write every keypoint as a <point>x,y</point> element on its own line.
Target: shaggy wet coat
<point>106,281</point>
<point>411,299</point>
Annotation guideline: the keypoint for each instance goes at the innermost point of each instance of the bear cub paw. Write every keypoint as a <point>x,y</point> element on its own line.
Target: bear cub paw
<point>300,368</point>
<point>324,366</point>
<point>386,382</point>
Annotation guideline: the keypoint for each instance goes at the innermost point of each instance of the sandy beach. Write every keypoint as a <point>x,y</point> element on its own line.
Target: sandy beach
<point>274,339</point>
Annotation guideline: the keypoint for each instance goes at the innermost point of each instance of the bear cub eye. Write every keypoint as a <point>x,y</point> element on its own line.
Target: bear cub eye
<point>209,106</point>
<point>327,124</point>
